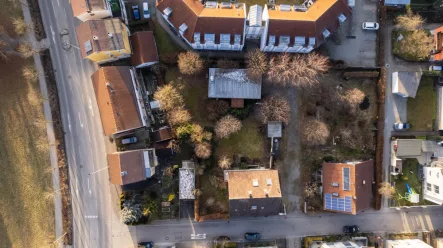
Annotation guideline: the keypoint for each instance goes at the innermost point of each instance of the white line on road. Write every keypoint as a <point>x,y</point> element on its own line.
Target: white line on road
<point>91,217</point>
<point>53,33</point>
<point>80,119</point>
<point>76,186</point>
<point>90,106</point>
<point>89,189</point>
<point>69,122</point>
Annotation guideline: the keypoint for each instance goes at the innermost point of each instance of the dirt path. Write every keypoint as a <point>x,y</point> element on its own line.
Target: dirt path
<point>288,165</point>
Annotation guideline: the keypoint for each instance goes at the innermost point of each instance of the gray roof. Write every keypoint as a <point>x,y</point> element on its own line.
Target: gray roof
<point>409,147</point>
<point>255,207</point>
<point>255,15</point>
<point>397,2</point>
<point>428,146</point>
<point>232,83</point>
<point>274,129</point>
<point>406,83</point>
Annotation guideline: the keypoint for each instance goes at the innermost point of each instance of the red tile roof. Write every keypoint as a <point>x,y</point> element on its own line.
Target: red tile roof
<point>126,167</point>
<point>82,6</point>
<point>144,48</point>
<point>438,43</point>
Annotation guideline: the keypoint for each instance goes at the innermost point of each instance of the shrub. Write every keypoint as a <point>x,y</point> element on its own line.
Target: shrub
<point>274,108</point>
<point>315,132</point>
<point>183,131</point>
<point>190,63</point>
<point>224,162</point>
<point>203,150</point>
<point>198,134</point>
<point>131,212</point>
<point>171,197</point>
<point>20,25</point>
<point>216,108</point>
<point>178,116</point>
<point>256,63</point>
<point>353,97</point>
<point>169,97</point>
<point>386,190</point>
<point>227,126</point>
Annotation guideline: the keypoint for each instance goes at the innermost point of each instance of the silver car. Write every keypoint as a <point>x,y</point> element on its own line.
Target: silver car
<point>370,25</point>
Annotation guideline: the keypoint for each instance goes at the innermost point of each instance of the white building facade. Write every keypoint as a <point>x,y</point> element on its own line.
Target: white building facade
<point>433,182</point>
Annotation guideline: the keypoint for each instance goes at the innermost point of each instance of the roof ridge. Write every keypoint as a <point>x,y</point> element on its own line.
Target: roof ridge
<point>109,95</point>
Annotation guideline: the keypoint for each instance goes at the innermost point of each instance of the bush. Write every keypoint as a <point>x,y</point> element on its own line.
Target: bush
<point>190,63</point>
<point>275,108</point>
<point>257,63</point>
<point>315,132</point>
<point>216,108</point>
<point>227,126</point>
<point>203,150</point>
<point>241,113</point>
<point>198,134</point>
<point>169,97</point>
<point>184,131</point>
<point>131,212</point>
<point>178,116</point>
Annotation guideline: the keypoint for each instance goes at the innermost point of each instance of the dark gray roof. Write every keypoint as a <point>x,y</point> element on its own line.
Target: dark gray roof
<point>264,207</point>
<point>232,83</point>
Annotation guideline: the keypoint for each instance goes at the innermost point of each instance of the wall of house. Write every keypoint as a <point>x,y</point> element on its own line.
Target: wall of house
<point>146,64</point>
<point>96,15</point>
<point>108,56</point>
<point>433,178</point>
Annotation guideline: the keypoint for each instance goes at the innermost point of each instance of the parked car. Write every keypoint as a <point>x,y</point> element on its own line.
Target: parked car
<point>435,68</point>
<point>402,126</point>
<point>351,229</point>
<point>252,236</point>
<point>146,13</point>
<point>130,140</point>
<point>146,244</point>
<point>370,25</point>
<point>136,12</point>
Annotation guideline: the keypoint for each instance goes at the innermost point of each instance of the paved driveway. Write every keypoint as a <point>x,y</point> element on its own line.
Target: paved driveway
<point>360,50</point>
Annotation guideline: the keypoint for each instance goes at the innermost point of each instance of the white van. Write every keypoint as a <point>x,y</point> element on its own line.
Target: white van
<point>146,13</point>
<point>435,68</point>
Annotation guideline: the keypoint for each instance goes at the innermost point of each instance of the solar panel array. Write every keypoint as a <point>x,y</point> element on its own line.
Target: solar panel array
<point>346,178</point>
<point>343,204</point>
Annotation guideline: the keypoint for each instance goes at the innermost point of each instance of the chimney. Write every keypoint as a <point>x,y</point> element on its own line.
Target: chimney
<point>94,37</point>
<point>110,35</point>
<point>250,194</point>
<point>123,173</point>
<point>364,182</point>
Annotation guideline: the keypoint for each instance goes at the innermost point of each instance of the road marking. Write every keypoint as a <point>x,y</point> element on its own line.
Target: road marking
<point>91,217</point>
<point>90,106</point>
<point>69,123</point>
<point>76,186</point>
<point>53,33</point>
<point>89,189</point>
<point>80,119</point>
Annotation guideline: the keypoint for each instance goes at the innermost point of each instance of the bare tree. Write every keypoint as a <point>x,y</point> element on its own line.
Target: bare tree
<point>30,74</point>
<point>280,69</point>
<point>347,138</point>
<point>26,50</point>
<point>190,63</point>
<point>203,150</point>
<point>227,64</point>
<point>224,162</point>
<point>178,116</point>
<point>409,21</point>
<point>386,190</point>
<point>353,97</point>
<point>197,192</point>
<point>20,25</point>
<point>169,97</point>
<point>315,132</point>
<point>227,126</point>
<point>198,134</point>
<point>257,63</point>
<point>417,44</point>
<point>310,190</point>
<point>275,108</point>
<point>216,108</point>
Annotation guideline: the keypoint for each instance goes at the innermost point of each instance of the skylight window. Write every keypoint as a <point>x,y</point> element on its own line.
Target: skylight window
<point>271,40</point>
<point>300,40</point>
<point>283,41</point>
<point>326,33</point>
<point>341,18</point>
<point>346,179</point>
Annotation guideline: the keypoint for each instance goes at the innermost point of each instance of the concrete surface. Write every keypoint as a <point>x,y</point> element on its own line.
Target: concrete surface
<point>361,51</point>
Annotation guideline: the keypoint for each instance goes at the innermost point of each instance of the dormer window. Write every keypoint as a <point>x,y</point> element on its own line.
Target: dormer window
<point>183,28</point>
<point>326,33</point>
<point>225,38</point>
<point>283,41</point>
<point>197,37</point>
<point>300,40</point>
<point>341,18</point>
<point>271,40</point>
<point>311,41</point>
<point>209,38</point>
<point>237,39</point>
<point>167,12</point>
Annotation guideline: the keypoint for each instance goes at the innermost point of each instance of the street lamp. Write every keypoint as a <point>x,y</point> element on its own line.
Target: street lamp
<point>99,170</point>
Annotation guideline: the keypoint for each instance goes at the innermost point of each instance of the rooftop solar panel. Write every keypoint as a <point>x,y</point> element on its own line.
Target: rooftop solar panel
<point>346,176</point>
<point>343,204</point>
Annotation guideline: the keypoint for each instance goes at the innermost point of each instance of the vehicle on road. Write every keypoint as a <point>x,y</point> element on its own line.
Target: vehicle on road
<point>252,236</point>
<point>435,68</point>
<point>136,12</point>
<point>130,140</point>
<point>402,126</point>
<point>370,26</point>
<point>351,229</point>
<point>146,13</point>
<point>146,244</point>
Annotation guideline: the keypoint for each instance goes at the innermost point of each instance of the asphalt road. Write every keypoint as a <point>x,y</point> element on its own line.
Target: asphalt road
<point>95,223</point>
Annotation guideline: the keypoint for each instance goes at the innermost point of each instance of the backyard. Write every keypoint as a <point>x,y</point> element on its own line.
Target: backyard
<point>422,110</point>
<point>410,177</point>
<point>26,205</point>
<point>398,47</point>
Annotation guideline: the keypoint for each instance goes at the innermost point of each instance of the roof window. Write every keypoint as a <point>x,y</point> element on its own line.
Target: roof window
<point>285,7</point>
<point>167,12</point>
<point>300,40</point>
<point>269,181</point>
<point>183,28</point>
<point>326,33</point>
<point>209,38</point>
<point>341,18</point>
<point>271,40</point>
<point>197,37</point>
<point>283,41</point>
<point>255,182</point>
<point>237,39</point>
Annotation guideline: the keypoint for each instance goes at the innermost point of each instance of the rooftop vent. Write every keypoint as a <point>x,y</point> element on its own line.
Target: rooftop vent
<point>211,5</point>
<point>335,184</point>
<point>94,37</point>
<point>226,5</point>
<point>308,3</point>
<point>255,182</point>
<point>110,34</point>
<point>123,173</point>
<point>269,181</point>
<point>285,7</point>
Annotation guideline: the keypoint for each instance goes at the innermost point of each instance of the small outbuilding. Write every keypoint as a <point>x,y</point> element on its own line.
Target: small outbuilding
<point>405,83</point>
<point>144,49</point>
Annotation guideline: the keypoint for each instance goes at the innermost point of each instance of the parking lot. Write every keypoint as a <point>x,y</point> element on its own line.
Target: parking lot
<point>352,44</point>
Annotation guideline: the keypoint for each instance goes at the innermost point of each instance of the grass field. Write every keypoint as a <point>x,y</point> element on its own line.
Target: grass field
<point>248,142</point>
<point>165,45</point>
<point>422,109</point>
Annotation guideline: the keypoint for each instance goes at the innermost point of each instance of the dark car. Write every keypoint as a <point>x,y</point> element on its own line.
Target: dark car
<point>252,236</point>
<point>146,244</point>
<point>351,229</point>
<point>136,12</point>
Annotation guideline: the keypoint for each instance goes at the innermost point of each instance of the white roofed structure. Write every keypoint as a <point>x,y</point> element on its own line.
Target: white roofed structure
<point>233,83</point>
<point>187,181</point>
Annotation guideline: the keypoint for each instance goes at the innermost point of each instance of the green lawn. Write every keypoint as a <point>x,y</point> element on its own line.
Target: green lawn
<point>422,109</point>
<point>165,45</point>
<point>409,164</point>
<point>248,142</point>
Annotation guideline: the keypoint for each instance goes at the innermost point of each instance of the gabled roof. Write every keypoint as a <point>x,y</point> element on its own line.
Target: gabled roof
<point>323,14</point>
<point>100,35</point>
<point>233,83</point>
<point>406,83</point>
<point>246,184</point>
<point>82,6</point>
<point>126,167</point>
<point>354,192</point>
<point>144,48</point>
<point>199,19</point>
<point>116,99</point>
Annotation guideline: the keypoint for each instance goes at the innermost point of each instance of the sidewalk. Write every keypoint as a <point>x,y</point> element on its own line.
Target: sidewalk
<point>48,117</point>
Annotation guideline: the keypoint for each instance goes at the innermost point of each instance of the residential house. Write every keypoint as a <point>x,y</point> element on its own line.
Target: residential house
<point>438,44</point>
<point>131,166</point>
<point>302,28</point>
<point>432,182</point>
<point>209,26</point>
<point>144,49</point>
<point>405,83</point>
<point>94,9</point>
<point>397,3</point>
<point>422,150</point>
<point>104,40</point>
<point>439,242</point>
<point>338,244</point>
<point>234,84</point>
<point>406,243</point>
<point>254,192</point>
<point>119,100</point>
<point>347,187</point>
